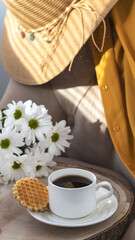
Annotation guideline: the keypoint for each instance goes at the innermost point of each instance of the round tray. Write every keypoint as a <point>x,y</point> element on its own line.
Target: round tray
<point>17,224</point>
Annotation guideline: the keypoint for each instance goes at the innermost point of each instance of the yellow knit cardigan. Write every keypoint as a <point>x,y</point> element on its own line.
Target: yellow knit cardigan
<point>115,69</point>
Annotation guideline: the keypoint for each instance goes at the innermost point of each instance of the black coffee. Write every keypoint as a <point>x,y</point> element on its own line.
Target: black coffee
<point>72,181</point>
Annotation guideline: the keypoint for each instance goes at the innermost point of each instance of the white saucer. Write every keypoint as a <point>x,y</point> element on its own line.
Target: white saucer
<point>103,211</point>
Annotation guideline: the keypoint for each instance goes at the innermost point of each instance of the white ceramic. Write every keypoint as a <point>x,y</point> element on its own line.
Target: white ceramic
<point>103,211</point>
<point>75,202</point>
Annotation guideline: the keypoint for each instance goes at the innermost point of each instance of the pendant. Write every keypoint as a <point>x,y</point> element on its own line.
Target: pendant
<point>32,37</point>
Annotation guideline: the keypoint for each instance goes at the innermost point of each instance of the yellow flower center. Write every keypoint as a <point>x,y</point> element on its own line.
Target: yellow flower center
<point>55,137</point>
<point>5,143</point>
<point>17,114</point>
<point>38,167</point>
<point>16,165</point>
<point>33,123</point>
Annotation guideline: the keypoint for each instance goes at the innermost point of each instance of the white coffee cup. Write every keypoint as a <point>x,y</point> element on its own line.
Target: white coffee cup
<point>75,202</point>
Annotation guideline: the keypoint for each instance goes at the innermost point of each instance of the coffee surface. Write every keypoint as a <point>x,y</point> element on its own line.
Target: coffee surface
<point>72,181</point>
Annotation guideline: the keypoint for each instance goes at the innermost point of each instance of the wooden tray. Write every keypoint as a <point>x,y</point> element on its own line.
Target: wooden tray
<point>17,224</point>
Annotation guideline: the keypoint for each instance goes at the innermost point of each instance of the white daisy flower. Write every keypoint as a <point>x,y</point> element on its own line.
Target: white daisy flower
<point>10,141</point>
<point>17,167</point>
<point>43,162</point>
<point>29,141</point>
<point>15,113</point>
<point>43,145</point>
<point>0,120</point>
<point>38,122</point>
<point>58,138</point>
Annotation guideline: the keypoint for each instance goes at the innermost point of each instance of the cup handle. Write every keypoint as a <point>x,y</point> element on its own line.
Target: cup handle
<point>107,195</point>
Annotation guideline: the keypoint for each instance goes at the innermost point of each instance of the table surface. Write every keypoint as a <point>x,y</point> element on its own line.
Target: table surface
<point>17,224</point>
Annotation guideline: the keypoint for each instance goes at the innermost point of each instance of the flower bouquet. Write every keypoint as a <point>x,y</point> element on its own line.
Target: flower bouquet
<point>29,141</point>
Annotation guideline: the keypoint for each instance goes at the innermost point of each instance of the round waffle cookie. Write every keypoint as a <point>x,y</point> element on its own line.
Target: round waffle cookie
<point>32,194</point>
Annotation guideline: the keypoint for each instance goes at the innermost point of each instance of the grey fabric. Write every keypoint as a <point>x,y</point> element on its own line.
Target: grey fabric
<point>75,97</point>
<point>39,94</point>
<point>91,143</point>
